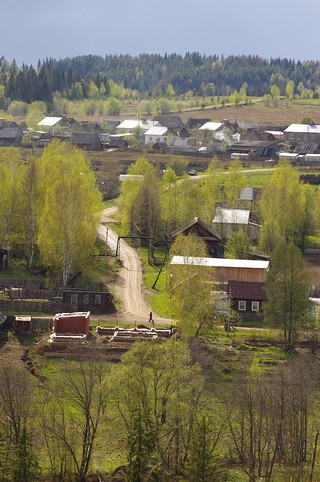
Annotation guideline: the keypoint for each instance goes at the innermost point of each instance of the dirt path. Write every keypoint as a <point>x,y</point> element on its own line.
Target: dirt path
<point>129,289</point>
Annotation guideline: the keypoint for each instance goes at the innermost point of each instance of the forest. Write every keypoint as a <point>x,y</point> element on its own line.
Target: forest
<point>155,75</point>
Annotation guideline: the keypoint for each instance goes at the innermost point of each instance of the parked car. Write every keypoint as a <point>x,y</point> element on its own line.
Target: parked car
<point>193,172</point>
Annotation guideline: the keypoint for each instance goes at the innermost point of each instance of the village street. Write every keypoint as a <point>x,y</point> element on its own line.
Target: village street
<point>129,289</point>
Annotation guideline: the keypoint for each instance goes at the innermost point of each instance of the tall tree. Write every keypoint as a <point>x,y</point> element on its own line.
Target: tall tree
<point>69,211</point>
<point>191,286</point>
<point>234,181</point>
<point>157,394</point>
<point>287,290</point>
<point>284,208</point>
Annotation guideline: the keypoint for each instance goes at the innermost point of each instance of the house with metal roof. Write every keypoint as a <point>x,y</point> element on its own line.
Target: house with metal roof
<point>130,125</point>
<point>156,134</point>
<point>228,221</point>
<point>296,133</point>
<point>226,270</point>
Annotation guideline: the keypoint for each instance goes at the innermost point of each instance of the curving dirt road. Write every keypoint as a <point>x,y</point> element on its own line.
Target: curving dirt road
<point>129,289</point>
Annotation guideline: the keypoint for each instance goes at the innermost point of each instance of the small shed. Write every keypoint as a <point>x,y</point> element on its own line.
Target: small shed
<point>73,323</point>
<point>23,325</point>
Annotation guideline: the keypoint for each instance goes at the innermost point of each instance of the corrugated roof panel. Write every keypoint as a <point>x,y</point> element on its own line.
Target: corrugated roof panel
<point>303,128</point>
<point>219,262</point>
<point>231,216</point>
<point>210,126</point>
<point>49,121</point>
<point>246,194</point>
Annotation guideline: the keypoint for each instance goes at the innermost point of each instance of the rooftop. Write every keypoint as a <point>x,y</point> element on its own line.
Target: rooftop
<point>219,262</point>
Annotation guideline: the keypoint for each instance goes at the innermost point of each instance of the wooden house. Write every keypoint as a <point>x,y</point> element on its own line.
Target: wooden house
<point>198,227</point>
<point>169,121</point>
<point>296,133</point>
<point>86,140</point>
<point>11,136</point>
<point>84,300</point>
<point>246,297</point>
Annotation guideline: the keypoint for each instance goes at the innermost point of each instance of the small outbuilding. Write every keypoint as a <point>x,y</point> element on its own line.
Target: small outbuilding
<point>23,325</point>
<point>72,323</point>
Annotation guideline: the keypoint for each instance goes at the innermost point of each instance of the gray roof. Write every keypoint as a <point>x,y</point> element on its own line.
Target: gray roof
<point>246,194</point>
<point>86,139</point>
<point>231,216</point>
<point>11,133</point>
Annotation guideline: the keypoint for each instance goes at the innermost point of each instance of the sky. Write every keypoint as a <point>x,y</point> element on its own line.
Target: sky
<point>36,29</point>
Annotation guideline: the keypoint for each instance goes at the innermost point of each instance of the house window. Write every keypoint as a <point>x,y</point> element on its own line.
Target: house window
<point>74,298</point>
<point>242,305</point>
<point>85,299</point>
<point>97,299</point>
<point>255,305</point>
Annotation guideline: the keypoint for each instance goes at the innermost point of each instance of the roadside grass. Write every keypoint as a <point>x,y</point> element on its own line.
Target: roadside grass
<point>158,296</point>
<point>258,179</point>
<point>313,242</point>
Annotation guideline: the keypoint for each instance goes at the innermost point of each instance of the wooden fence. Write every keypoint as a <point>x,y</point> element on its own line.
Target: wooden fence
<point>34,306</point>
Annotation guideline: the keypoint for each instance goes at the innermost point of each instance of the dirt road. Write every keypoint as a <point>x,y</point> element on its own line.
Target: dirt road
<point>129,290</point>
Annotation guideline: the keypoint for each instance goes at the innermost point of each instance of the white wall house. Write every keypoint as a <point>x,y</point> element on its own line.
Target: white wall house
<point>156,134</point>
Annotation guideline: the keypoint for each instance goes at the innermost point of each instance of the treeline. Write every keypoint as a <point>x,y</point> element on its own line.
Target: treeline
<point>152,75</point>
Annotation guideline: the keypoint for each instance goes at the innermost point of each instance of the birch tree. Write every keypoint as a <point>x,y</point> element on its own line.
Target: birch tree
<point>69,210</point>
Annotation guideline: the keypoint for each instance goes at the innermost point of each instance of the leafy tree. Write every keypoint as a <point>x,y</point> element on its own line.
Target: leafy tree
<point>307,119</point>
<point>290,89</point>
<point>18,108</point>
<point>37,111</point>
<point>26,466</point>
<point>191,286</point>
<point>235,98</point>
<point>283,208</point>
<point>157,394</point>
<point>234,181</point>
<point>238,245</point>
<point>287,290</point>
<point>113,106</point>
<point>71,416</point>
<point>275,94</point>
<point>69,210</point>
<point>10,198</point>
<point>30,208</point>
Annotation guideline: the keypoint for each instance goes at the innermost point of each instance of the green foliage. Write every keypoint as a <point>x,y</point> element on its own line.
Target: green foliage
<point>238,245</point>
<point>284,208</point>
<point>287,290</point>
<point>234,181</point>
<point>157,394</point>
<point>307,119</point>
<point>191,286</point>
<point>69,210</point>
